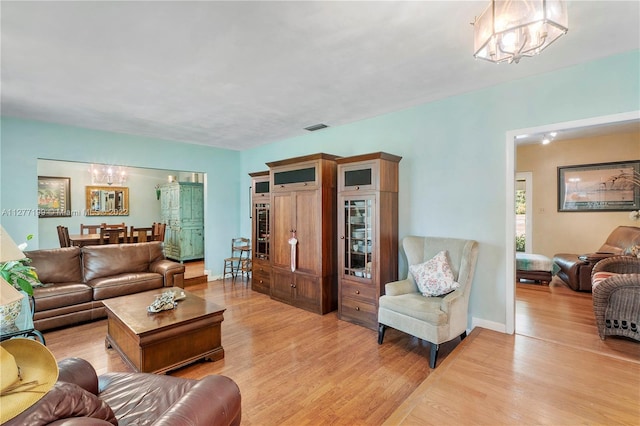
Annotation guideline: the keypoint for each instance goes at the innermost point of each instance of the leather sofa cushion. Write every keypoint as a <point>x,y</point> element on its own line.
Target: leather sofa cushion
<point>51,296</point>
<point>57,265</point>
<point>115,259</point>
<point>123,284</point>
<point>65,400</point>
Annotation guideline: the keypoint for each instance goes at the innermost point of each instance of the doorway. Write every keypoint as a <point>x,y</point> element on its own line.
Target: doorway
<point>512,138</point>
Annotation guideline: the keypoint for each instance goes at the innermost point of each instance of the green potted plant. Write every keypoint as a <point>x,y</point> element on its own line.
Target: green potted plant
<point>19,273</point>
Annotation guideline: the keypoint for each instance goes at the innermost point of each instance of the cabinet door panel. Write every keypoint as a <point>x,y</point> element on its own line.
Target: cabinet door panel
<point>281,282</point>
<point>307,231</point>
<point>280,230</point>
<point>307,292</point>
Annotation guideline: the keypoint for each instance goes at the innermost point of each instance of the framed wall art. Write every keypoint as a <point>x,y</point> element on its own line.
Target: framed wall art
<point>599,187</point>
<point>54,196</point>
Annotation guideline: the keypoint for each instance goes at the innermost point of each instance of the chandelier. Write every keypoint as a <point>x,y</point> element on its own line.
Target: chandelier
<point>511,29</point>
<point>103,174</point>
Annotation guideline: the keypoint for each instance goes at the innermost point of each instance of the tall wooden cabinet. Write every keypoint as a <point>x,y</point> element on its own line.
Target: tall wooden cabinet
<point>367,234</point>
<point>182,209</point>
<point>260,232</point>
<point>303,206</point>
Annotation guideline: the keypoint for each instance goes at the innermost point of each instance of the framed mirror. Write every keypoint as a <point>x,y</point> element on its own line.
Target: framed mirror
<point>107,201</point>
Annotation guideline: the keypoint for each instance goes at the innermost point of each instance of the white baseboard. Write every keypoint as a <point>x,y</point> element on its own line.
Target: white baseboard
<point>491,325</point>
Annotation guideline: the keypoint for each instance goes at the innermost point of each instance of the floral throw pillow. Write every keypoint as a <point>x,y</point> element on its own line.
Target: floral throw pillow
<point>434,277</point>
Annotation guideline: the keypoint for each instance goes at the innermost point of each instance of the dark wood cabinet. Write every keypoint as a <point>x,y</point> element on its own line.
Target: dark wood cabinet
<point>303,206</point>
<point>367,234</point>
<point>260,232</point>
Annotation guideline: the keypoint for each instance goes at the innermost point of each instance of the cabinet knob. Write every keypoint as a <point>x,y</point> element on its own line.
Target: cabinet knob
<point>357,188</point>
<point>261,281</point>
<point>305,184</point>
<point>357,308</point>
<point>293,285</point>
<point>342,237</point>
<point>357,291</point>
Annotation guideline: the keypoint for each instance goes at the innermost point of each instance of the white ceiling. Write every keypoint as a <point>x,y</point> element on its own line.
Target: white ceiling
<point>240,74</point>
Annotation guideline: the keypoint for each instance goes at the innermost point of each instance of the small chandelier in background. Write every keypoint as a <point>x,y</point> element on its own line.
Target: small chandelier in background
<point>103,174</point>
<point>511,29</point>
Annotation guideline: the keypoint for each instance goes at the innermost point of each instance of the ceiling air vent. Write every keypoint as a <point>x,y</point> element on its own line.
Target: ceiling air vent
<point>316,127</point>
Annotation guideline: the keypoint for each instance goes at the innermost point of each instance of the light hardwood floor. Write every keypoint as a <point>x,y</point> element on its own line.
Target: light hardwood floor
<point>295,367</point>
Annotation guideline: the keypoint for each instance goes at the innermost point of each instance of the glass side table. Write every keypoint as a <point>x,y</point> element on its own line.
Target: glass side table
<point>24,323</point>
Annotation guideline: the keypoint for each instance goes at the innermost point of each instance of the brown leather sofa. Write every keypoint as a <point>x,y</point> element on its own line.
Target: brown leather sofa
<point>80,397</point>
<point>76,280</point>
<point>575,269</point>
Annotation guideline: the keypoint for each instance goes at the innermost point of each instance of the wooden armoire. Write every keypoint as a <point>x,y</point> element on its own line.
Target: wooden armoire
<point>260,232</point>
<point>303,206</point>
<point>182,209</point>
<point>367,233</point>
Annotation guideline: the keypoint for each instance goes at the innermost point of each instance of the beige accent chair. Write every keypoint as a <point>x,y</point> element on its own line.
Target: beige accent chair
<point>434,319</point>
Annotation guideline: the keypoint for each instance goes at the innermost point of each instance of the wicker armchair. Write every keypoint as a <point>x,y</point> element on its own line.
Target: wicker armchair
<point>616,296</point>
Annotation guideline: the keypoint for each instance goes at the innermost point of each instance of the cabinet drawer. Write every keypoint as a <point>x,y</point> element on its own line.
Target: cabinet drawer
<point>359,312</point>
<point>358,291</point>
<point>261,282</point>
<point>261,275</point>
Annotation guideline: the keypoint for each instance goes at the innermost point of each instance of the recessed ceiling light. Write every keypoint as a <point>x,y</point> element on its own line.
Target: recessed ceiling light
<point>316,127</point>
<point>521,136</point>
<point>546,141</point>
<point>553,134</point>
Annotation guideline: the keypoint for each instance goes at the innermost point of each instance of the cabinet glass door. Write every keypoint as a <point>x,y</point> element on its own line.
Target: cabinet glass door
<point>261,249</point>
<point>358,237</point>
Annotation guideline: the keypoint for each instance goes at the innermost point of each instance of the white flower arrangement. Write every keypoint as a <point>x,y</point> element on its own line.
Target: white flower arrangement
<point>634,215</point>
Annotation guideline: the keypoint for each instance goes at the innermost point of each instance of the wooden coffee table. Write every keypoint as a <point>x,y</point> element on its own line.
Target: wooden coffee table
<point>157,343</point>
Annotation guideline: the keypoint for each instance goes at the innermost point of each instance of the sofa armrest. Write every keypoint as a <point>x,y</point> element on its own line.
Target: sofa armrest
<point>78,371</point>
<point>595,257</point>
<point>214,400</point>
<point>396,288</point>
<point>172,272</point>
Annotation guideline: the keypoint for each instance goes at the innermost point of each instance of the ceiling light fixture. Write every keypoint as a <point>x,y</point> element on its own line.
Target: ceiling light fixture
<point>511,29</point>
<point>547,139</point>
<point>101,174</point>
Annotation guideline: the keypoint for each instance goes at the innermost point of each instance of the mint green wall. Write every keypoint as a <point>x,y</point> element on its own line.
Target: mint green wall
<point>23,142</point>
<point>452,175</point>
<point>453,171</point>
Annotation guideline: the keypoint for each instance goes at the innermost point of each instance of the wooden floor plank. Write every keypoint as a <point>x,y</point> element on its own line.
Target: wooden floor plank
<point>294,367</point>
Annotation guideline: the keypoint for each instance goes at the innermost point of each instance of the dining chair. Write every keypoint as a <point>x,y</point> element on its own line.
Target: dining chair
<point>112,235</point>
<point>159,230</point>
<point>63,236</point>
<point>140,235</point>
<point>113,225</point>
<point>91,229</point>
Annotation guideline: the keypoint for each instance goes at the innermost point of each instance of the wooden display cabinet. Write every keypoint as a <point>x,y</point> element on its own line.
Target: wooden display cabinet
<point>303,205</point>
<point>260,232</point>
<point>367,234</point>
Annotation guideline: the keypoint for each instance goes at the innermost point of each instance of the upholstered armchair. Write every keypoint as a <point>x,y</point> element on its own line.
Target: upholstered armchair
<point>435,319</point>
<point>616,296</point>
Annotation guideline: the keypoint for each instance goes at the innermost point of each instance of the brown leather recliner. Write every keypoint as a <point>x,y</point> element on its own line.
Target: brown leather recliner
<point>575,269</point>
<point>80,397</point>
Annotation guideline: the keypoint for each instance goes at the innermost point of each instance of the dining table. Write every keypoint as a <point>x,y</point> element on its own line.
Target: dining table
<point>81,240</point>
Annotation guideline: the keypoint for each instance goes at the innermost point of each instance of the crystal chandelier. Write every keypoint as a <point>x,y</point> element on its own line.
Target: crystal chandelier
<point>511,29</point>
<point>103,174</point>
